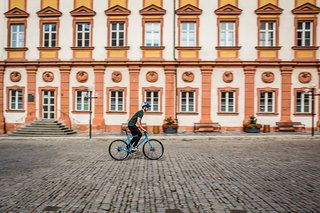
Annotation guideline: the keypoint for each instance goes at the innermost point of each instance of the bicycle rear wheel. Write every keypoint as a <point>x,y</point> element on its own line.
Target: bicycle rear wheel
<point>118,150</point>
<point>153,149</point>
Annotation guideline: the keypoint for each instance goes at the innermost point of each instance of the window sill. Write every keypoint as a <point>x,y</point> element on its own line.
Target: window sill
<point>267,114</point>
<point>302,114</point>
<point>228,48</point>
<point>188,48</point>
<point>268,48</point>
<point>187,113</point>
<point>305,48</point>
<point>80,112</point>
<point>15,110</point>
<point>154,113</point>
<point>117,48</point>
<point>152,47</point>
<point>16,49</point>
<point>228,113</point>
<point>116,112</point>
<point>49,48</point>
<point>82,48</point>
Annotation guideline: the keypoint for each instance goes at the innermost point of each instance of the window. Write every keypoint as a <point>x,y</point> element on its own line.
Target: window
<point>267,101</point>
<point>267,34</point>
<point>187,101</point>
<point>117,34</point>
<point>152,34</point>
<point>227,34</point>
<point>82,101</point>
<point>83,34</point>
<point>188,34</point>
<point>17,35</point>
<point>152,97</point>
<point>49,35</point>
<point>303,102</point>
<point>15,100</point>
<point>227,102</point>
<point>304,34</point>
<point>116,100</point>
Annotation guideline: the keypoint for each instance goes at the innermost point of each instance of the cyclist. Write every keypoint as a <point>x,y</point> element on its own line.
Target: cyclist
<point>135,125</point>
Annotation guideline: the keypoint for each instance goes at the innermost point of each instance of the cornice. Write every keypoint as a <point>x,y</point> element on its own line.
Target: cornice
<point>49,12</point>
<point>82,11</point>
<point>16,13</point>
<point>153,10</point>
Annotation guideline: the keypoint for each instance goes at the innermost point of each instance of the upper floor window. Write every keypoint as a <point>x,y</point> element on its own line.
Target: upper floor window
<point>227,102</point>
<point>15,102</point>
<point>267,101</point>
<point>116,100</point>
<point>83,34</point>
<point>188,34</point>
<point>152,97</point>
<point>82,102</point>
<point>304,33</point>
<point>303,102</point>
<point>17,35</point>
<point>267,33</point>
<point>227,34</point>
<point>187,101</point>
<point>49,35</point>
<point>152,34</point>
<point>117,34</point>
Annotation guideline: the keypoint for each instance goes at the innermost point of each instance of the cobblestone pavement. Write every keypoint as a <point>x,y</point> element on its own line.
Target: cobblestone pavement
<point>78,175</point>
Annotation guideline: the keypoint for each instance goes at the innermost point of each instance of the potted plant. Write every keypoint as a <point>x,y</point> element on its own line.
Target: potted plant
<point>170,126</point>
<point>252,126</point>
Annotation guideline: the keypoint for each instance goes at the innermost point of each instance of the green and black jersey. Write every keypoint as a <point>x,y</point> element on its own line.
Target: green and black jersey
<point>135,117</point>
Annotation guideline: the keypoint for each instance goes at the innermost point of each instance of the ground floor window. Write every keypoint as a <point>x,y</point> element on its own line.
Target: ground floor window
<point>267,101</point>
<point>116,100</point>
<point>187,101</point>
<point>152,97</point>
<point>303,102</point>
<point>15,100</point>
<point>82,101</point>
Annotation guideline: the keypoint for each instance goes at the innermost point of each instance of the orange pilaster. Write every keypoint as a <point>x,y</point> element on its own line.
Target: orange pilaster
<point>134,89</point>
<point>206,74</point>
<point>31,91</point>
<point>249,73</point>
<point>170,73</point>
<point>2,121</point>
<point>65,99</point>
<point>318,122</point>
<point>286,94</point>
<point>98,120</point>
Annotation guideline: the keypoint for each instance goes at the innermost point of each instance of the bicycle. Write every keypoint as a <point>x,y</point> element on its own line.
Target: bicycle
<point>120,149</point>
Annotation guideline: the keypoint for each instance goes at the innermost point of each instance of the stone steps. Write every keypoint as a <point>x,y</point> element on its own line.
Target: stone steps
<point>43,128</point>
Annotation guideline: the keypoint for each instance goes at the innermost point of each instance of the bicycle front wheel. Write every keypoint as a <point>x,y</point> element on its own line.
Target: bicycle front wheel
<point>153,149</point>
<point>118,150</point>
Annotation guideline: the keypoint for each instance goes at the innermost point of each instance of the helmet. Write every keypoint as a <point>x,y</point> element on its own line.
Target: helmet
<point>145,104</point>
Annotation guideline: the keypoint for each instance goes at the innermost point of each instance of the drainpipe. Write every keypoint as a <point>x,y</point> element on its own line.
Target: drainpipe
<point>175,59</point>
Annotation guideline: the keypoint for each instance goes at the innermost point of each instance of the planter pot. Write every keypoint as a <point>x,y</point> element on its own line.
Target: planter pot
<point>252,130</point>
<point>170,130</point>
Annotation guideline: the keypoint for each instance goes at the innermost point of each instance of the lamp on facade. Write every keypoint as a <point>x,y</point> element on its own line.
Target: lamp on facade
<point>90,97</point>
<point>311,92</point>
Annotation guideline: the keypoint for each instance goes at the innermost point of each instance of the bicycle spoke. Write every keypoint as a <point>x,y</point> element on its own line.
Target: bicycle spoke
<point>153,149</point>
<point>118,150</point>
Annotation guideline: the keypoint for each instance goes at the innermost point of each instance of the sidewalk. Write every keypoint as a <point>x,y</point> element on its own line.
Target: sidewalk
<point>194,136</point>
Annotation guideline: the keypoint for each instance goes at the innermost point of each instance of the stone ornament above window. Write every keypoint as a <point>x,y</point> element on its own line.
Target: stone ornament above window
<point>152,76</point>
<point>267,77</point>
<point>116,76</point>
<point>48,76</point>
<point>15,76</point>
<point>227,77</point>
<point>82,76</point>
<point>305,77</point>
<point>188,76</point>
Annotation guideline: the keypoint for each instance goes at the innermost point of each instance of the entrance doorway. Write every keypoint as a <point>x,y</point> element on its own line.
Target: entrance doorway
<point>48,104</point>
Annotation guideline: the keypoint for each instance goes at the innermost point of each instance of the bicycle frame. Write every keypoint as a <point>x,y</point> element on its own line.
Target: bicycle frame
<point>142,141</point>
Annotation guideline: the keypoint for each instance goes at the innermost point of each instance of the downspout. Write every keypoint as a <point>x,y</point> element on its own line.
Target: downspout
<point>175,59</point>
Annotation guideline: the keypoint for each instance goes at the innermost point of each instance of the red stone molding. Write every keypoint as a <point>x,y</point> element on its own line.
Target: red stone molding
<point>98,120</point>
<point>206,76</point>
<point>65,98</point>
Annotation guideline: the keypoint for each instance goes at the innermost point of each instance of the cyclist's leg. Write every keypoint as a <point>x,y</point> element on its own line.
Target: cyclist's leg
<point>138,139</point>
<point>135,134</point>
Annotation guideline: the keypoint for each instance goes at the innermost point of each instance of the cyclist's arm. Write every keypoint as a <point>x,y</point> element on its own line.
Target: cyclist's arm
<point>139,124</point>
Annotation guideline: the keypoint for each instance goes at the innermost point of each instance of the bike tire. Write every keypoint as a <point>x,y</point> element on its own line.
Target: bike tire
<point>118,150</point>
<point>155,152</point>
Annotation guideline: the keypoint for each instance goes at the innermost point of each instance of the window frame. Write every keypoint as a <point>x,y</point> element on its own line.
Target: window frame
<point>227,31</point>
<point>108,99</point>
<point>275,101</point>
<point>313,34</point>
<point>15,88</point>
<point>74,95</point>
<point>196,100</point>
<point>10,34</point>
<point>236,101</point>
<point>266,32</point>
<point>160,97</point>
<point>304,31</point>
<point>116,100</point>
<point>236,31</point>
<point>43,32</point>
<point>302,113</point>
<point>197,25</point>
<point>145,32</point>
<point>83,33</point>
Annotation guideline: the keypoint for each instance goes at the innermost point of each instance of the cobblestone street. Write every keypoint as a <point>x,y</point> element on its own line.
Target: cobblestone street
<point>78,175</point>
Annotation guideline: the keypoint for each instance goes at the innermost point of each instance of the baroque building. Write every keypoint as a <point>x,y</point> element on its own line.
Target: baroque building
<point>197,61</point>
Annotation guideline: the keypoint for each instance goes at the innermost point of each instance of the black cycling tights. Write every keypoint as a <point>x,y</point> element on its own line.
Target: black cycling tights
<point>135,132</point>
